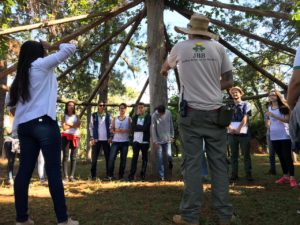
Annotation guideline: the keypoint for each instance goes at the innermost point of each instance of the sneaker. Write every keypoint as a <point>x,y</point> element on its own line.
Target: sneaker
<point>10,182</point>
<point>293,182</point>
<point>283,180</point>
<point>71,179</point>
<point>177,219</point>
<point>28,222</point>
<point>69,222</point>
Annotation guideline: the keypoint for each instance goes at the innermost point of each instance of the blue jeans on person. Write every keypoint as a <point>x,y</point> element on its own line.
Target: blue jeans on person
<point>271,154</point>
<point>114,150</point>
<point>164,152</point>
<point>95,153</point>
<point>136,148</point>
<point>40,133</point>
<point>10,159</point>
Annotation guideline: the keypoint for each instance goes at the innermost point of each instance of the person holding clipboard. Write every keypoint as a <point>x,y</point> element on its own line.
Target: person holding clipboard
<point>238,134</point>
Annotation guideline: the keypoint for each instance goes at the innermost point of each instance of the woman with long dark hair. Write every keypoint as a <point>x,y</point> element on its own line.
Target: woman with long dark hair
<point>69,139</point>
<point>277,120</point>
<point>34,93</point>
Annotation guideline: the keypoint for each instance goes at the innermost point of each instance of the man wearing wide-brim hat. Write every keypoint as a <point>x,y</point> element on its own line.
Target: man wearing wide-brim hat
<point>204,71</point>
<point>238,134</point>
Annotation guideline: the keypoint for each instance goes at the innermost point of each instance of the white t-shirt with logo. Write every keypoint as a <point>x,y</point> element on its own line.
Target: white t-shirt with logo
<point>200,64</point>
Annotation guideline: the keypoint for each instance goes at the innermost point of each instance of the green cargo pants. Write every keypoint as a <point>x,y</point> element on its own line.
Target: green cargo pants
<point>196,127</point>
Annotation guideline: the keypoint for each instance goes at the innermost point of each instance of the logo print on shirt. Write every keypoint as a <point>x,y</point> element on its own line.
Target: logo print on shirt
<point>199,48</point>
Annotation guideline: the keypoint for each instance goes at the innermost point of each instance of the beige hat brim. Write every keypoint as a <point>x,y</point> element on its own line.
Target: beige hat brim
<point>183,30</point>
<point>236,88</point>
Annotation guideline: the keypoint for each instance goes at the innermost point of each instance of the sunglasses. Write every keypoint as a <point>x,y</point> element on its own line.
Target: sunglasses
<point>101,105</point>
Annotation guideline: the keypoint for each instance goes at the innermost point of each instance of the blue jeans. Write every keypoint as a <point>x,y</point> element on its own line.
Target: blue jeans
<point>164,153</point>
<point>10,159</point>
<point>95,153</point>
<point>115,148</point>
<point>41,133</point>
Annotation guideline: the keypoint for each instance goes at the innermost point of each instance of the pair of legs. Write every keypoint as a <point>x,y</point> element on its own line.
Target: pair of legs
<point>115,148</point>
<point>35,135</point>
<point>66,146</point>
<point>242,142</point>
<point>95,153</point>
<point>137,147</point>
<point>196,127</point>
<point>164,157</point>
<point>10,160</point>
<point>271,151</point>
<point>283,150</point>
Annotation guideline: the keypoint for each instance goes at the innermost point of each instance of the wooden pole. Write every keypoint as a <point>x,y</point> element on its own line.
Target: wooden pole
<point>140,95</point>
<point>266,41</point>
<point>77,33</point>
<point>188,14</point>
<point>104,42</point>
<point>63,20</point>
<point>257,12</point>
<point>120,50</point>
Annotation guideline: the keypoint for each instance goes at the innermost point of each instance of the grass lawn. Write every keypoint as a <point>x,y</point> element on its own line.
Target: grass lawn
<point>261,202</point>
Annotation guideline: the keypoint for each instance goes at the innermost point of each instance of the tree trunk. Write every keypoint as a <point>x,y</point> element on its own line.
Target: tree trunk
<point>156,53</point>
<point>103,91</point>
<point>3,81</point>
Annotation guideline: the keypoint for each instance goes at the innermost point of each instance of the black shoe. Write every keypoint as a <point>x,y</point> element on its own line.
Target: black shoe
<point>271,172</point>
<point>130,179</point>
<point>233,178</point>
<point>170,165</point>
<point>249,177</point>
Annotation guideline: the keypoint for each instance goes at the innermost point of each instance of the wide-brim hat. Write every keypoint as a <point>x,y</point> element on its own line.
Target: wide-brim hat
<point>198,25</point>
<point>236,88</point>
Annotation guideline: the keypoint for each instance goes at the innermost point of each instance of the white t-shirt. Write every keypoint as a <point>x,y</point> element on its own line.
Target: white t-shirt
<point>139,135</point>
<point>71,120</point>
<point>297,59</point>
<point>43,87</point>
<point>278,129</point>
<point>200,64</point>
<point>121,124</point>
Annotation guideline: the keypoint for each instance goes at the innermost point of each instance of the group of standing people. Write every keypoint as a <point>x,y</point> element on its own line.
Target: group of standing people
<point>113,135</point>
<point>204,71</point>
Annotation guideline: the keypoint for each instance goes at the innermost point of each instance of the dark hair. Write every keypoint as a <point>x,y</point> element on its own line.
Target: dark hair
<point>161,109</point>
<point>282,103</point>
<point>66,107</point>
<point>123,104</point>
<point>141,103</point>
<point>29,52</point>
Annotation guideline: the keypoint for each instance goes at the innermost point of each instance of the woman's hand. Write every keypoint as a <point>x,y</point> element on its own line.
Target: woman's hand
<point>46,45</point>
<point>268,114</point>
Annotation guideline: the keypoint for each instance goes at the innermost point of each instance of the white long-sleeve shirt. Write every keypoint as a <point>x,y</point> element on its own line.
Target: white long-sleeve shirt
<point>42,87</point>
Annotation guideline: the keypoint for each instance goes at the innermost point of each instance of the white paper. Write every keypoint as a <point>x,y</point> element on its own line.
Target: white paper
<point>235,125</point>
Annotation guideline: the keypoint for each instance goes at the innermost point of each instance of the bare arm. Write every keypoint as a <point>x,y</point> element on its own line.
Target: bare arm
<point>165,68</point>
<point>226,80</point>
<point>294,89</point>
<point>284,119</point>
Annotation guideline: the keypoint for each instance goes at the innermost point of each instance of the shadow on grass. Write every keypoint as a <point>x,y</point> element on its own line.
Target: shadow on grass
<point>261,202</point>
